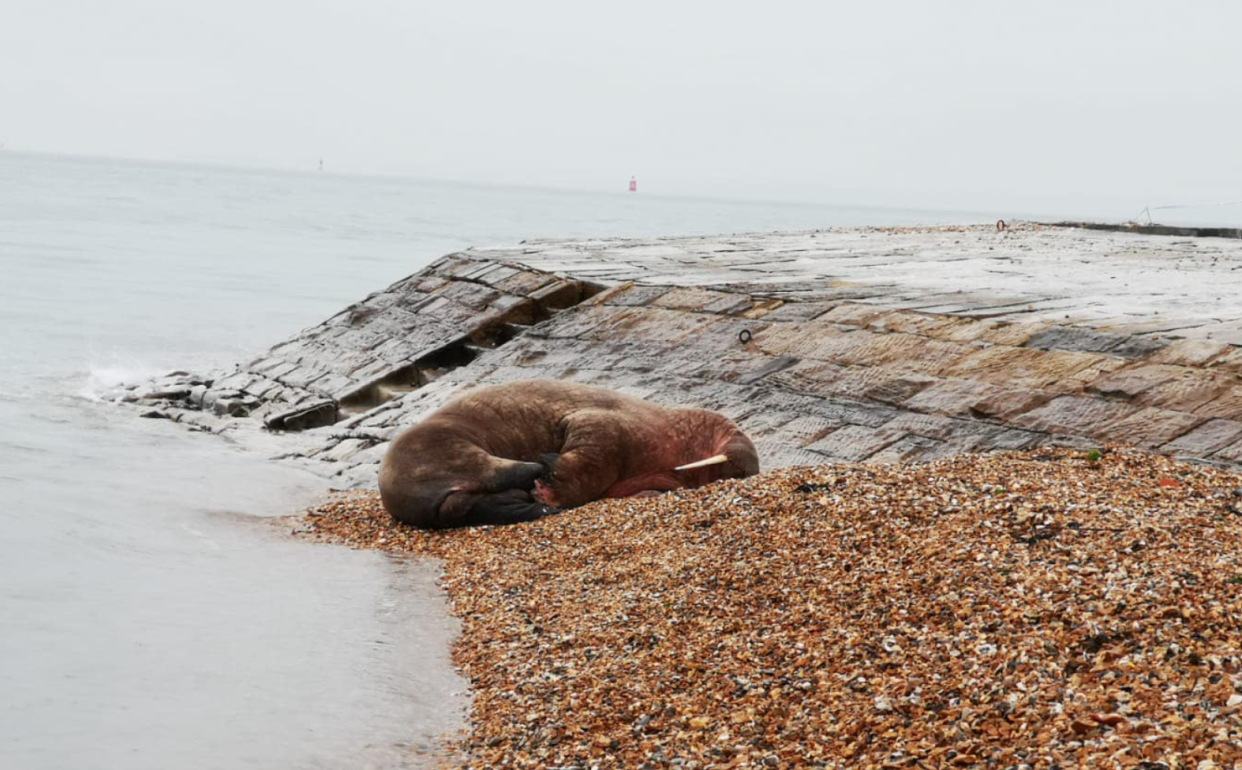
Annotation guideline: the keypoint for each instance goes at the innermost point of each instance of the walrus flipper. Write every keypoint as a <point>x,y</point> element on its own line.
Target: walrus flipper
<point>548,461</point>
<point>514,475</point>
<point>511,507</point>
<point>587,463</point>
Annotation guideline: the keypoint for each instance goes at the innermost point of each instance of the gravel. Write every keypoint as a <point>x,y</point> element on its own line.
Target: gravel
<point>1032,610</point>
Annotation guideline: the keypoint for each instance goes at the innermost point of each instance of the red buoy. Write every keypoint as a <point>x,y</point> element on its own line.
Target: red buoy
<point>633,184</point>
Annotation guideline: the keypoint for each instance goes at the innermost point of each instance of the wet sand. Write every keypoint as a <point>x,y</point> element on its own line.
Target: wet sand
<point>1013,610</point>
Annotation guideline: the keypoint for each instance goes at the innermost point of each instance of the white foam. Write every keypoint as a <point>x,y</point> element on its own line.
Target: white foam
<point>109,379</point>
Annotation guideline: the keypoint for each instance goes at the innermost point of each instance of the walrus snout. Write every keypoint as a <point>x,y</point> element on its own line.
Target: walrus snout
<point>743,457</point>
<point>735,458</point>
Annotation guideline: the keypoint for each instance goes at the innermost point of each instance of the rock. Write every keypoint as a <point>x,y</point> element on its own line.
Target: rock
<point>344,450</point>
<point>169,391</point>
<point>312,415</point>
<point>559,295</point>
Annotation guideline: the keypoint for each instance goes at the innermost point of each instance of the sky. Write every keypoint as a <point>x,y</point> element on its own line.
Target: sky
<point>1048,105</point>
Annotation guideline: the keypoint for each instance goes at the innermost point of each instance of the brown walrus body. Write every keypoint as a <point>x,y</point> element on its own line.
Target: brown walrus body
<point>523,450</point>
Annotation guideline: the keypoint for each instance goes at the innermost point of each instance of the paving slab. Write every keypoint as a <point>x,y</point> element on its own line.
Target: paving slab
<point>1148,428</point>
<point>1191,390</point>
<point>1075,339</point>
<point>1191,352</point>
<point>1227,406</point>
<point>913,449</point>
<point>1131,381</point>
<point>1230,454</point>
<point>853,443</point>
<point>1207,439</point>
<point>1031,369</point>
<point>1074,415</point>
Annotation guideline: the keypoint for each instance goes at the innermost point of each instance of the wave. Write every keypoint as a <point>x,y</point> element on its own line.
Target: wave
<point>103,381</point>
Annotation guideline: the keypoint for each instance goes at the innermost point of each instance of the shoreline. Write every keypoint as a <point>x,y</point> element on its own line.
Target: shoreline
<point>1016,608</point>
<point>869,353</point>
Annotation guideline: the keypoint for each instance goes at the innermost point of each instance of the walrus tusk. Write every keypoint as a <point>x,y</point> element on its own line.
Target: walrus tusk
<point>717,460</point>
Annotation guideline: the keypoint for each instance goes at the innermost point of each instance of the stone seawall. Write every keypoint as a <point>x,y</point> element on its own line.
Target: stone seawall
<point>886,345</point>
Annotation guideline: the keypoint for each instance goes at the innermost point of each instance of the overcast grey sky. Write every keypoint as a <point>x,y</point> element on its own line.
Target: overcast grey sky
<point>1049,104</point>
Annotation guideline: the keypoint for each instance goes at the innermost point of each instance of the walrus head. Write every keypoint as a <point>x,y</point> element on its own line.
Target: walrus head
<point>735,458</point>
<point>464,484</point>
<point>425,502</point>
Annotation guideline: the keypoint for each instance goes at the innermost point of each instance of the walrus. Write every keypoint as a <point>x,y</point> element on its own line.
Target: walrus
<point>523,450</point>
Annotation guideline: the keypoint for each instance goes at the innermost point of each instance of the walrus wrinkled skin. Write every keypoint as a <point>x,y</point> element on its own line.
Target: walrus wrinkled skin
<point>524,450</point>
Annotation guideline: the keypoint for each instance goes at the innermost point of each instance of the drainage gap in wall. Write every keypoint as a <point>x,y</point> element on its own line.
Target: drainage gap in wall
<point>539,307</point>
<point>425,370</point>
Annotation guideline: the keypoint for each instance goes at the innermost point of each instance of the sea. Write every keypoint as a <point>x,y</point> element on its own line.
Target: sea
<point>153,612</point>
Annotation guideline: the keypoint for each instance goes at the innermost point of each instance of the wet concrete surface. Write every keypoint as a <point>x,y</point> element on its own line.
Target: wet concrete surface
<point>881,344</point>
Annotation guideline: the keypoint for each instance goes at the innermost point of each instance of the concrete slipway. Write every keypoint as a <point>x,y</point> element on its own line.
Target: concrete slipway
<point>885,345</point>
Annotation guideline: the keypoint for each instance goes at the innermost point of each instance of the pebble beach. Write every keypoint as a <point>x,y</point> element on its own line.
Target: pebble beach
<point>1053,608</point>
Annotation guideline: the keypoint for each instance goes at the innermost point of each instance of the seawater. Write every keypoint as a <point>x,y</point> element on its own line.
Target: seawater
<point>150,616</point>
